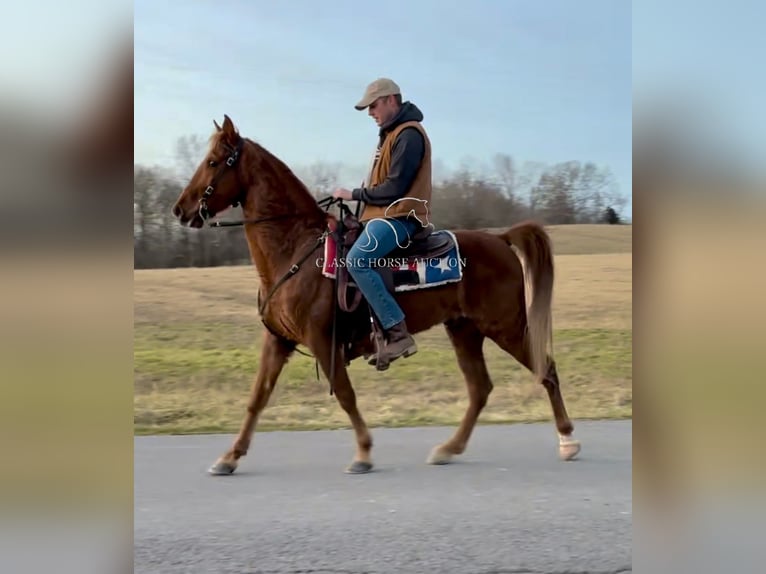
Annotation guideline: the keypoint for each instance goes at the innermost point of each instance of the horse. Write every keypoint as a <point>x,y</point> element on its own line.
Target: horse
<point>284,226</point>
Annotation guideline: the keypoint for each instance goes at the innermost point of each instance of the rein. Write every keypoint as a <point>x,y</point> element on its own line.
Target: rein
<point>293,270</point>
<point>246,221</point>
<point>324,203</point>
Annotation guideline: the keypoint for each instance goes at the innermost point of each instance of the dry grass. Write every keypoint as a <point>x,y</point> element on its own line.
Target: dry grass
<point>590,239</point>
<point>197,339</point>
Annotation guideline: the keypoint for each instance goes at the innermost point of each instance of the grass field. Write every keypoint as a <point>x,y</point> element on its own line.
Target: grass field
<point>197,338</point>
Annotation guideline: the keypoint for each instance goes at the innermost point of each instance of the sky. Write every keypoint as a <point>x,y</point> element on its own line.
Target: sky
<point>540,81</point>
<point>701,64</point>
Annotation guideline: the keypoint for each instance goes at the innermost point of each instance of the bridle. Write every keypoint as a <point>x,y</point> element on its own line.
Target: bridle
<point>230,161</point>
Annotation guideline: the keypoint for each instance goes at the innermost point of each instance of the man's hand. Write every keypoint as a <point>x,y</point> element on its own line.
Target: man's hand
<point>342,193</point>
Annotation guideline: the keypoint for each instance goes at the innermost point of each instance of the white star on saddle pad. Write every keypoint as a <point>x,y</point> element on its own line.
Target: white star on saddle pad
<point>444,265</point>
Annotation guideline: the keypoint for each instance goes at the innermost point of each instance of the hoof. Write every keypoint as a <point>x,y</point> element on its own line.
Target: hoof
<point>568,448</point>
<point>222,468</point>
<point>439,456</point>
<point>359,467</point>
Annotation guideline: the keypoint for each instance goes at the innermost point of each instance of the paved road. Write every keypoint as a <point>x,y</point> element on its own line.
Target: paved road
<point>508,504</point>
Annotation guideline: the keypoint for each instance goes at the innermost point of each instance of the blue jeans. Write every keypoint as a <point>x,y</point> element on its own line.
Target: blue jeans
<point>378,238</point>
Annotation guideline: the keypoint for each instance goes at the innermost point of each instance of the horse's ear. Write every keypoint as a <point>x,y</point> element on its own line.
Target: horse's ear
<point>217,127</point>
<point>229,131</point>
<point>228,125</point>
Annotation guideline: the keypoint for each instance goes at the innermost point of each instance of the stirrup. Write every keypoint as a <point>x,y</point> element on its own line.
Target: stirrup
<point>406,352</point>
<point>377,337</point>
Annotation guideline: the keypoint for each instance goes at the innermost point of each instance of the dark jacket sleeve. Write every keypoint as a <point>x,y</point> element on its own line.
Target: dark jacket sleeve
<point>406,156</point>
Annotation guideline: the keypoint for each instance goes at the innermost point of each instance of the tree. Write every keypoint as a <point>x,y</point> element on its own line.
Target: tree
<point>476,195</point>
<point>321,178</point>
<point>572,192</point>
<point>190,151</point>
<point>611,217</point>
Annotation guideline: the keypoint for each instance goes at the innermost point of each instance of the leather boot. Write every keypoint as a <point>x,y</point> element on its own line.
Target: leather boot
<point>399,343</point>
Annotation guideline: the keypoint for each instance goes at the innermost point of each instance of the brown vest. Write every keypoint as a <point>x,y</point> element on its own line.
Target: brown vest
<point>418,197</point>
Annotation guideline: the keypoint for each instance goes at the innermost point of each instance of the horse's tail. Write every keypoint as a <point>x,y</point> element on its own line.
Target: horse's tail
<point>535,245</point>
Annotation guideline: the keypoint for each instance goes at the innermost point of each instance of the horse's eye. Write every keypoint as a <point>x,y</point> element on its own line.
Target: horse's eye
<point>212,163</point>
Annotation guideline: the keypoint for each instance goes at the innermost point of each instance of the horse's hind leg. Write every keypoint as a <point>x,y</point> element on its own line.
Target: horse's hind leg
<point>467,341</point>
<point>274,355</point>
<point>568,447</point>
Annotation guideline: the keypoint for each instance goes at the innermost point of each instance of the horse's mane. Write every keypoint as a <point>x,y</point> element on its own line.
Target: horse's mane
<point>283,184</point>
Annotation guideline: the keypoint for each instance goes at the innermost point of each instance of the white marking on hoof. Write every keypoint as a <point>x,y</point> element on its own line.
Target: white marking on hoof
<point>439,456</point>
<point>569,448</point>
<point>223,467</point>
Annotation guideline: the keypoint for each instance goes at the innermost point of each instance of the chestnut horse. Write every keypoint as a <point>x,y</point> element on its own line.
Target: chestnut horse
<point>285,225</point>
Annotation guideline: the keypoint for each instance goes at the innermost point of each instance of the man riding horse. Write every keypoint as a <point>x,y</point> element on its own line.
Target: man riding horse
<point>396,196</point>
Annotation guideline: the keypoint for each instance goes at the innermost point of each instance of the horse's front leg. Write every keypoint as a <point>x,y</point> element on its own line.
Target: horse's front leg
<point>274,355</point>
<point>346,396</point>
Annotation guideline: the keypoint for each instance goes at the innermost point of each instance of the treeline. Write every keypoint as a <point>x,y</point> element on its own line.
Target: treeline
<point>470,198</point>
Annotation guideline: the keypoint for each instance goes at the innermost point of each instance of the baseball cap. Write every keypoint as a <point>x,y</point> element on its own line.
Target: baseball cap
<point>377,89</point>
